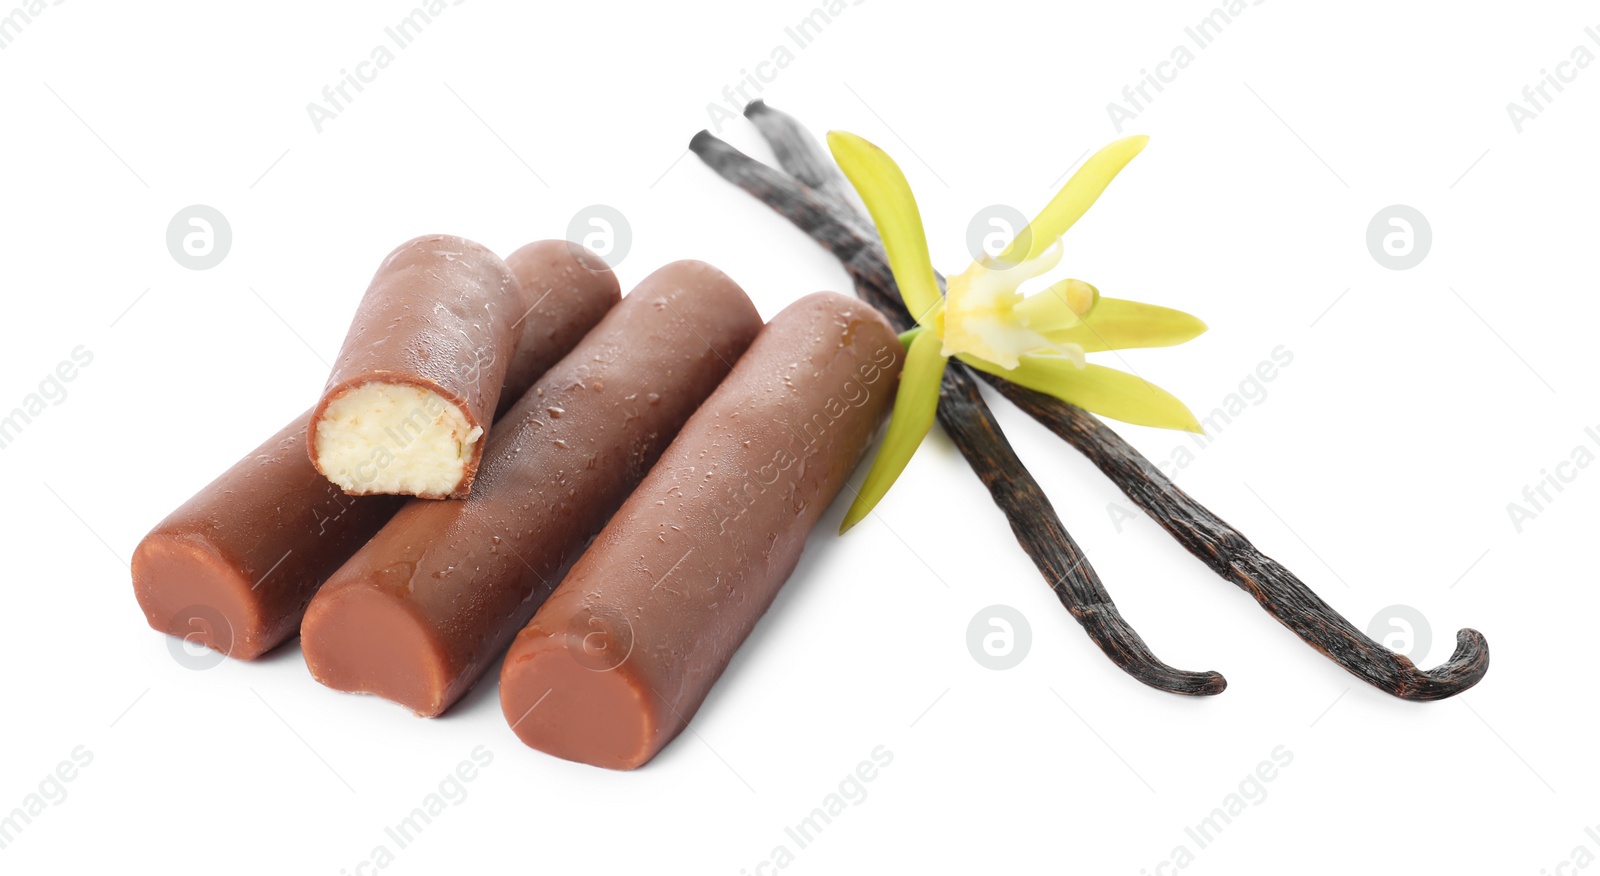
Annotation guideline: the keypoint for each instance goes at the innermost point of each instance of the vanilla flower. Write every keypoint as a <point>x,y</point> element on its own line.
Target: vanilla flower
<point>1037,340</point>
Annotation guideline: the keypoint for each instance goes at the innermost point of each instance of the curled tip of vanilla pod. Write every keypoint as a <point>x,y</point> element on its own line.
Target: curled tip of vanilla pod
<point>812,194</point>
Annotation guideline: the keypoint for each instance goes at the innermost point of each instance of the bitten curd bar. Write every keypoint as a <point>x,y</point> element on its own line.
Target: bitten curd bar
<point>418,380</point>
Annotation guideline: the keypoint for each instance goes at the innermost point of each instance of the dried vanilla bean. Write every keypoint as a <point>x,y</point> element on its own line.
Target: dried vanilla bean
<point>817,201</point>
<point>1232,556</point>
<point>970,424</point>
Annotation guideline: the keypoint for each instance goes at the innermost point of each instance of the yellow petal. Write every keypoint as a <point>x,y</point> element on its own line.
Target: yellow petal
<point>914,406</point>
<point>1075,198</point>
<point>1116,324</point>
<point>1104,391</point>
<point>883,188</point>
<point>1059,307</point>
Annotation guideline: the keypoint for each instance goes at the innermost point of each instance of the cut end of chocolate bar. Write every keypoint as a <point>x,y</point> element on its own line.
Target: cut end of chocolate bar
<point>395,438</point>
<point>563,696</point>
<point>360,639</point>
<point>188,590</point>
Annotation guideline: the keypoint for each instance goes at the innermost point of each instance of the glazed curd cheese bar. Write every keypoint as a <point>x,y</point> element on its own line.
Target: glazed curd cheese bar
<point>623,653</point>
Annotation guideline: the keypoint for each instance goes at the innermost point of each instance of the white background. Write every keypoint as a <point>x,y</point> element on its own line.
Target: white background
<point>1379,465</point>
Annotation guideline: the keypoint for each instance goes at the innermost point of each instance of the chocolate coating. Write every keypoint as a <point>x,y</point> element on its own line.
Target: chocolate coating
<point>566,291</point>
<point>625,650</point>
<point>235,566</point>
<point>425,608</point>
<point>440,314</point>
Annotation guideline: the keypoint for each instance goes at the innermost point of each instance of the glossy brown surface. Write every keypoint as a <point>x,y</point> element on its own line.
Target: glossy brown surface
<point>428,605</point>
<point>234,567</point>
<point>566,290</point>
<point>624,652</point>
<point>442,313</point>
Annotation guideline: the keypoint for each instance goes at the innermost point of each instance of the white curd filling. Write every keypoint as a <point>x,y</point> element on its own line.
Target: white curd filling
<point>395,438</point>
